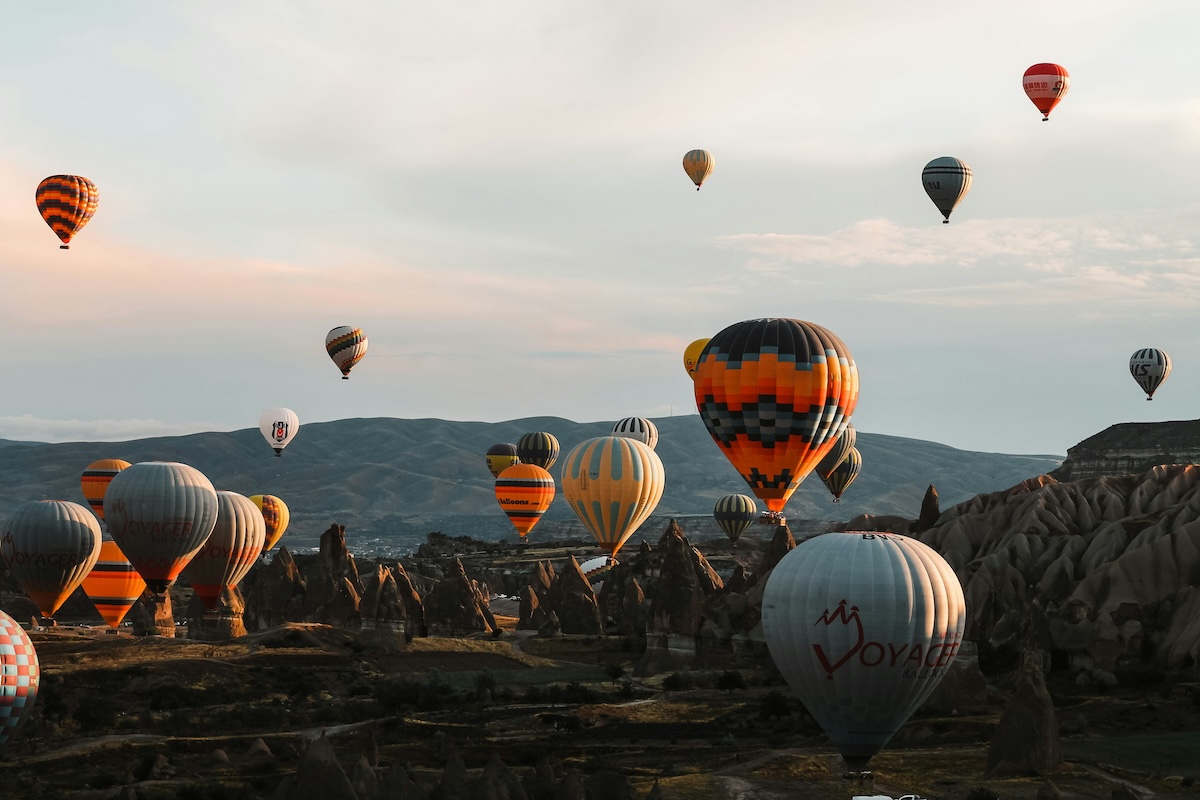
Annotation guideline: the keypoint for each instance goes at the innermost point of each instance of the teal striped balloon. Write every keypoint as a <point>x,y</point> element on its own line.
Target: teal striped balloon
<point>613,485</point>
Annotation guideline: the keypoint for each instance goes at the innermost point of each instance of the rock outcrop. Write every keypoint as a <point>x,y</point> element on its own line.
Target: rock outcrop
<point>1131,448</point>
<point>457,605</point>
<point>1026,739</point>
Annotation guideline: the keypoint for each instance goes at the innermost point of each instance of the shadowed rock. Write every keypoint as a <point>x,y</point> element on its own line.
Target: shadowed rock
<point>277,594</point>
<point>456,605</point>
<point>318,777</point>
<point>782,543</point>
<point>398,784</point>
<point>152,615</point>
<point>1026,739</point>
<point>573,601</point>
<point>930,511</point>
<point>334,591</point>
<point>220,624</point>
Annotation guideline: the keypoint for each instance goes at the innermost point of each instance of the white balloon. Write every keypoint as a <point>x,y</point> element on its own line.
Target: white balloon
<point>279,426</point>
<point>863,626</point>
<point>639,428</point>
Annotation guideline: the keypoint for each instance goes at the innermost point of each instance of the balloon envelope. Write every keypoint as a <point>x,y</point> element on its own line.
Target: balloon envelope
<point>838,454</point>
<point>160,513</point>
<point>775,394</point>
<point>279,427</point>
<point>524,492</point>
<point>734,513</point>
<point>113,585</point>
<point>863,626</point>
<point>346,346</point>
<point>66,203</point>
<point>844,474</point>
<point>947,181</point>
<point>50,546</point>
<point>276,517</point>
<point>1046,85</point>
<point>698,164</point>
<point>639,428</point>
<point>500,457</point>
<point>613,485</point>
<point>1149,367</point>
<point>95,480</point>
<point>691,356</point>
<point>229,553</point>
<point>539,448</point>
<point>20,676</point>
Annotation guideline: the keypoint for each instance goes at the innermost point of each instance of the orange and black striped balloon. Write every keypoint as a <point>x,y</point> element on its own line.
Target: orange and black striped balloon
<point>775,394</point>
<point>67,202</point>
<point>113,585</point>
<point>524,491</point>
<point>96,478</point>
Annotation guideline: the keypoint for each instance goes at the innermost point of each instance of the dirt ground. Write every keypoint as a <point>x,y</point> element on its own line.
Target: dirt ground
<point>153,713</point>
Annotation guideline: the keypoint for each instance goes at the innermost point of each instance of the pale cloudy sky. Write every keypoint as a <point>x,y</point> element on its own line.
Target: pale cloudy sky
<point>493,191</point>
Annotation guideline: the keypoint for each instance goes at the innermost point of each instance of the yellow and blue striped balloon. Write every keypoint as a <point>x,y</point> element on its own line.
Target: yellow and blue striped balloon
<point>844,474</point>
<point>734,513</point>
<point>613,484</point>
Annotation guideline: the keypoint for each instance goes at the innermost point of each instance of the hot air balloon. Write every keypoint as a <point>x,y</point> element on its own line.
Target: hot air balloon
<point>524,491</point>
<point>346,346</point>
<point>20,675</point>
<point>113,585</point>
<point>596,568</point>
<point>863,626</point>
<point>95,480</point>
<point>160,513</point>
<point>279,426</point>
<point>613,485</point>
<point>229,553</point>
<point>843,474</point>
<point>947,181</point>
<point>837,455</point>
<point>734,513</point>
<point>691,355</point>
<point>1150,367</point>
<point>276,517</point>
<point>50,546</point>
<point>66,202</point>
<point>500,457</point>
<point>539,449</point>
<point>1046,85</point>
<point>638,428</point>
<point>775,394</point>
<point>698,164</point>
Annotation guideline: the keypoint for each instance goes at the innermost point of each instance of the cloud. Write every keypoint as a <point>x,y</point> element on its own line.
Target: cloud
<point>28,428</point>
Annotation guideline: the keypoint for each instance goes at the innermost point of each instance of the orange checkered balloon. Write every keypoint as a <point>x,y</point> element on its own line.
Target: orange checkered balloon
<point>66,202</point>
<point>775,394</point>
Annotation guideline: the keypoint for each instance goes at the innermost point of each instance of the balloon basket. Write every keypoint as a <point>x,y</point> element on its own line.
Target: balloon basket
<point>772,518</point>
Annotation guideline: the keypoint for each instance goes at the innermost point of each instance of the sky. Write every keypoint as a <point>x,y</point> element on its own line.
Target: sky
<point>494,193</point>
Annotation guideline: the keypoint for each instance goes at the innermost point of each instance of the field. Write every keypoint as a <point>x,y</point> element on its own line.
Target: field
<point>176,718</point>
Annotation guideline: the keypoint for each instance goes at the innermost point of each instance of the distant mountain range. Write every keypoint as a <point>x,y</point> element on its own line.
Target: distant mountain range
<point>392,481</point>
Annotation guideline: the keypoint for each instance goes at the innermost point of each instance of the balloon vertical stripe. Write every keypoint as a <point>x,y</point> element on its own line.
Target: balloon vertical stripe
<point>66,203</point>
<point>613,484</point>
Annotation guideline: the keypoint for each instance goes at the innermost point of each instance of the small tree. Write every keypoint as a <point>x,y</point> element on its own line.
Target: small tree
<point>729,680</point>
<point>615,672</point>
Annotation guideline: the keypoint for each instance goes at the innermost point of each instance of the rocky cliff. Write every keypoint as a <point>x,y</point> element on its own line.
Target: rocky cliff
<point>1132,448</point>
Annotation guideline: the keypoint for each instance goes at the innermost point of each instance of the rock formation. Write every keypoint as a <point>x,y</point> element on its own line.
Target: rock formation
<point>457,605</point>
<point>1026,739</point>
<point>571,598</point>
<point>220,624</point>
<point>275,593</point>
<point>1131,448</point>
<point>318,777</point>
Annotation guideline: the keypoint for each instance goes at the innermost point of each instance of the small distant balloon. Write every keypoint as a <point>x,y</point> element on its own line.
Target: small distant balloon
<point>947,181</point>
<point>837,455</point>
<point>1149,367</point>
<point>524,492</point>
<point>734,513</point>
<point>698,164</point>
<point>95,480</point>
<point>113,585</point>
<point>279,427</point>
<point>691,356</point>
<point>838,481</point>
<point>66,203</point>
<point>638,428</point>
<point>276,517</point>
<point>346,346</point>
<point>539,448</point>
<point>500,457</point>
<point>1046,84</point>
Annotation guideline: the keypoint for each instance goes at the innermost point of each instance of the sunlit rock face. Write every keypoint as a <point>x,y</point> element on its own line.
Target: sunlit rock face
<point>1101,570</point>
<point>1131,448</point>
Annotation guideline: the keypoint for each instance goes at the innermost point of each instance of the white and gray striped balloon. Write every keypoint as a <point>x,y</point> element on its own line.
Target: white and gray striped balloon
<point>639,428</point>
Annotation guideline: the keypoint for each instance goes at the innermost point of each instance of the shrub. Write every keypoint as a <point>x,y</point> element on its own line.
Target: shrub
<point>729,680</point>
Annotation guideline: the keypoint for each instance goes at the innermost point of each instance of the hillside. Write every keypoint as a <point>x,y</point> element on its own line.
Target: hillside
<point>391,481</point>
